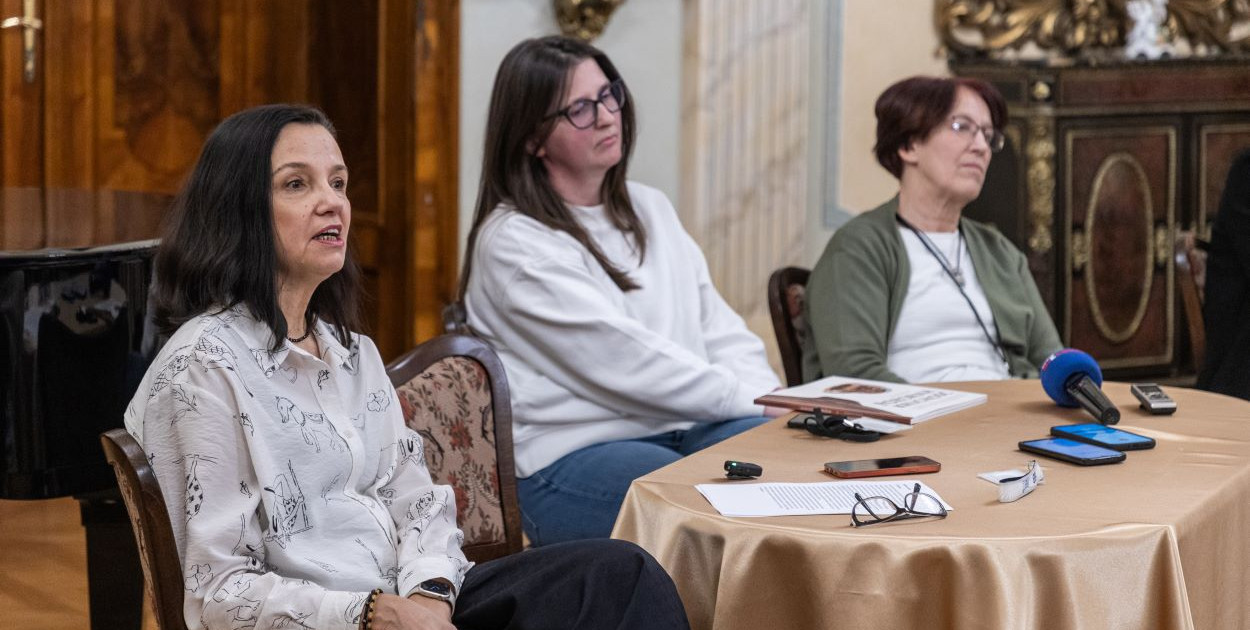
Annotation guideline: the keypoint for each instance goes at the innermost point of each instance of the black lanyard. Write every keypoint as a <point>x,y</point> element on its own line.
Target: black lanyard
<point>928,245</point>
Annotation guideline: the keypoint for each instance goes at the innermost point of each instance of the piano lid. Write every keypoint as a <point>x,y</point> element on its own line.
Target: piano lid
<point>74,344</point>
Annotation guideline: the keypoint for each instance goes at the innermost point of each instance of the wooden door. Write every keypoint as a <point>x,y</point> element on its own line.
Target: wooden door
<point>21,141</point>
<point>97,144</point>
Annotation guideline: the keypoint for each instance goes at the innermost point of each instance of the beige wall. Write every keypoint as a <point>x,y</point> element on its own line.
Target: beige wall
<point>881,41</point>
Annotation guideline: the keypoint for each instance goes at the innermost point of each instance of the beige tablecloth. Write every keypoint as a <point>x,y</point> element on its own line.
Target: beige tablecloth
<point>1159,541</point>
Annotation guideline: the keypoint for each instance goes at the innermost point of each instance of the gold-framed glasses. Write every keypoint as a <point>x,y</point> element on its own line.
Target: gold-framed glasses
<point>967,129</point>
<point>877,509</point>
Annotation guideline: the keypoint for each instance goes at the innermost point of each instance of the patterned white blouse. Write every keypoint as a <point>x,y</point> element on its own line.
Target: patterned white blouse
<point>293,484</point>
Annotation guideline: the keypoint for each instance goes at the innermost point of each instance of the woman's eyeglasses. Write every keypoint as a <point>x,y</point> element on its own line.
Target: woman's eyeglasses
<point>584,112</point>
<point>965,128</point>
<point>877,509</point>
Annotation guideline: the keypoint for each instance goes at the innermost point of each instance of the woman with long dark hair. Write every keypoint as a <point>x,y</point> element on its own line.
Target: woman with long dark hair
<point>621,355</point>
<point>298,496</point>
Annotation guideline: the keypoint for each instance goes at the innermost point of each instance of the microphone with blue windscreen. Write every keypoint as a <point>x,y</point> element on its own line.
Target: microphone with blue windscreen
<point>1073,379</point>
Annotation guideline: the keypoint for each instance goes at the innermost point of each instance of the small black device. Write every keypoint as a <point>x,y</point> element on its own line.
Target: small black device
<point>832,426</point>
<point>742,470</point>
<point>1099,435</point>
<point>1153,399</point>
<point>1072,451</point>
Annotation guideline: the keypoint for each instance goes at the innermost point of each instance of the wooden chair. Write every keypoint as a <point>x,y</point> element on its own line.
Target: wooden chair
<point>786,294</point>
<point>1191,270</point>
<point>454,393</point>
<point>158,552</point>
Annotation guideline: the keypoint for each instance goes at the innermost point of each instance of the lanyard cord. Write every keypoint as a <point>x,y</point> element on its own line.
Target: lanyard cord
<point>932,249</point>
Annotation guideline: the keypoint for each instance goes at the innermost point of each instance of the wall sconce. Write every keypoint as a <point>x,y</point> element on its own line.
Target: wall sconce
<point>584,19</point>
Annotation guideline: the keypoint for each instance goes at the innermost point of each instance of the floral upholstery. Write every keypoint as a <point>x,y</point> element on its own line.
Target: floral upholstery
<point>449,404</point>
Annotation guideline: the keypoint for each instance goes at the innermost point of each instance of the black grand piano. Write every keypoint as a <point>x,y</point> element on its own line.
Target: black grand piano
<point>75,340</point>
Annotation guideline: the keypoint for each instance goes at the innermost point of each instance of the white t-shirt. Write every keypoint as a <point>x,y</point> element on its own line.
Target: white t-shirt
<point>937,338</point>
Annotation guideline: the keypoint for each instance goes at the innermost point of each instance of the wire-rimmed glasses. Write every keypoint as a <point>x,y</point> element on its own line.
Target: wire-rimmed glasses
<point>877,509</point>
<point>584,112</point>
<point>965,128</point>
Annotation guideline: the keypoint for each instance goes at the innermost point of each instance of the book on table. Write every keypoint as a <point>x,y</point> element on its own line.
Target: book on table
<point>857,397</point>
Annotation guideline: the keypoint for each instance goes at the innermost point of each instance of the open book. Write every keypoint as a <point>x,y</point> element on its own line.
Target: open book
<point>897,402</point>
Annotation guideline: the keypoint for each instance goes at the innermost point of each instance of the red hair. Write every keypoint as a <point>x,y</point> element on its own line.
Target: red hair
<point>912,108</point>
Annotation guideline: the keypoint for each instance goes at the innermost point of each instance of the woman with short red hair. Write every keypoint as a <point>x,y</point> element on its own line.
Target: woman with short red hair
<point>912,291</point>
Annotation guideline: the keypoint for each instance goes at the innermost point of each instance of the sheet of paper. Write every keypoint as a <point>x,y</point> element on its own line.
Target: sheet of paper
<point>799,499</point>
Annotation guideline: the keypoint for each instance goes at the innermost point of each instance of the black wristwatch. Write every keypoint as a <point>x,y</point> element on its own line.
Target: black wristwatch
<point>435,589</point>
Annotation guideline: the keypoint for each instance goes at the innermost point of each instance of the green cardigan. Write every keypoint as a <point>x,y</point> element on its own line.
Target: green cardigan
<point>856,292</point>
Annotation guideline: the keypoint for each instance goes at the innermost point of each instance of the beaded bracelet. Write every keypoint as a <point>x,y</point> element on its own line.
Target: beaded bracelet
<point>366,613</point>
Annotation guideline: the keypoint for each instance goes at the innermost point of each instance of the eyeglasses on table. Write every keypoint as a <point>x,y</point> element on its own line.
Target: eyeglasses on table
<point>875,510</point>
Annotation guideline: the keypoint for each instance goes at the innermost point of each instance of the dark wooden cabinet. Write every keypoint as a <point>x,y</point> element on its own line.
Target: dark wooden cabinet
<point>1103,165</point>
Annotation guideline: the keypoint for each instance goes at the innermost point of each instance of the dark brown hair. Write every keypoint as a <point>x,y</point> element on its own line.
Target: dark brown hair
<point>531,84</point>
<point>912,108</point>
<point>219,248</point>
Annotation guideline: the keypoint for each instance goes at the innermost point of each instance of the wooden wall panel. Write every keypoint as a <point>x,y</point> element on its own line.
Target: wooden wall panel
<point>1220,140</point>
<point>21,143</point>
<point>134,86</point>
<point>435,227</point>
<point>1122,184</point>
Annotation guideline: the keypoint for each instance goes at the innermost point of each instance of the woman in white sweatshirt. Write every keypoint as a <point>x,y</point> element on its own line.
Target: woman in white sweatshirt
<point>621,356</point>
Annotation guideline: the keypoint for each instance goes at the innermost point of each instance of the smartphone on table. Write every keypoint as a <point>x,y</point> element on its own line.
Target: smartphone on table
<point>1102,435</point>
<point>1068,450</point>
<point>910,465</point>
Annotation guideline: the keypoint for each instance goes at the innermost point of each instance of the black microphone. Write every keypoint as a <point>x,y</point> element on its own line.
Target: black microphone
<point>1072,378</point>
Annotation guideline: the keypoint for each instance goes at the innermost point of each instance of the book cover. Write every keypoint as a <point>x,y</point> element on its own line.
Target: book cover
<point>897,402</point>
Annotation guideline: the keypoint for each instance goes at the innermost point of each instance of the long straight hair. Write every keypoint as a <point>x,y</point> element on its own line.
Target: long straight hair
<point>219,247</point>
<point>532,81</point>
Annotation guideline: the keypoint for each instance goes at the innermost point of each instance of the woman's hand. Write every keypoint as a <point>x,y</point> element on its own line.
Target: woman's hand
<point>417,612</point>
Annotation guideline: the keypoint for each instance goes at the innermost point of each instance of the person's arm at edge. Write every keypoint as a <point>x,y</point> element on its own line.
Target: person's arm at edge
<point>848,308</point>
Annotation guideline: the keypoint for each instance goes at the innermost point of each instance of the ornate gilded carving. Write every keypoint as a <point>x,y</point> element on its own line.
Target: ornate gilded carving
<point>1210,23</point>
<point>1040,176</point>
<point>1080,251</point>
<point>975,27</point>
<point>584,19</point>
<point>1122,160</point>
<point>1162,248</point>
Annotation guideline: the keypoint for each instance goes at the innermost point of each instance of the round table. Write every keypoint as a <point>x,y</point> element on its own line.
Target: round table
<point>1161,540</point>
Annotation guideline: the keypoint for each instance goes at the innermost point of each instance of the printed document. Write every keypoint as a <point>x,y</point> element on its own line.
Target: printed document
<point>800,499</point>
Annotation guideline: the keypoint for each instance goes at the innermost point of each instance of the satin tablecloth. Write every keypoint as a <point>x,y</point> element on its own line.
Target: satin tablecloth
<point>1161,540</point>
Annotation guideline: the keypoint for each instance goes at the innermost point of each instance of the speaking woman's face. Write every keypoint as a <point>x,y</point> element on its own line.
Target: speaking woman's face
<point>311,213</point>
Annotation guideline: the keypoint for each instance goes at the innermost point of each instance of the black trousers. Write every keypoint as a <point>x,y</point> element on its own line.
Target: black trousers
<point>585,584</point>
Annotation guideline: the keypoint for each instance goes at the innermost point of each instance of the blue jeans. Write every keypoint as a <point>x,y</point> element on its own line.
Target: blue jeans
<point>580,494</point>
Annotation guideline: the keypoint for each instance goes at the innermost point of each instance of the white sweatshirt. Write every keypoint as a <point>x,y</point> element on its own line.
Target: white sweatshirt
<point>588,363</point>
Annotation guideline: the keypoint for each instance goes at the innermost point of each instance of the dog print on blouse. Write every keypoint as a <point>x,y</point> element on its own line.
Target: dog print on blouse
<point>268,453</point>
